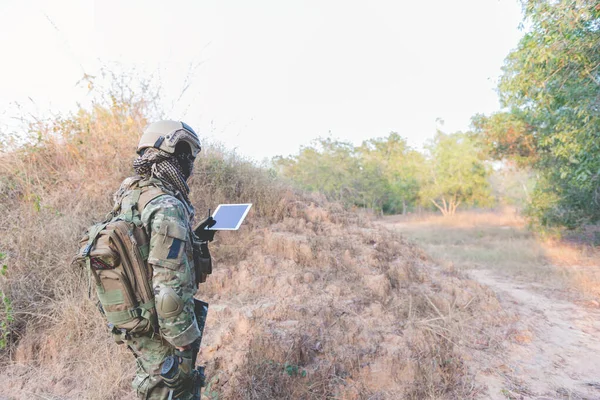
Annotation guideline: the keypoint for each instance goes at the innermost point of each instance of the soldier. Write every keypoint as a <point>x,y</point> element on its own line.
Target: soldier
<point>167,150</point>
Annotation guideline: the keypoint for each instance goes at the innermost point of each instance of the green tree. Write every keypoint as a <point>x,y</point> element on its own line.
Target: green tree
<point>455,173</point>
<point>551,91</point>
<point>382,174</point>
<point>327,166</point>
<point>506,135</point>
<point>391,172</point>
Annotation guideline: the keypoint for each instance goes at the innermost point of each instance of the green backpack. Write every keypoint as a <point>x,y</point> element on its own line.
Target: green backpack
<point>115,254</point>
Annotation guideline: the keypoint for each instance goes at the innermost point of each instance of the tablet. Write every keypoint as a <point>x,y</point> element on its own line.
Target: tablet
<point>229,217</point>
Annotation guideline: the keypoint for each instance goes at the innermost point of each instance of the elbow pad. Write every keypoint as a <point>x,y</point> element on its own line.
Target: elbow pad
<point>168,303</point>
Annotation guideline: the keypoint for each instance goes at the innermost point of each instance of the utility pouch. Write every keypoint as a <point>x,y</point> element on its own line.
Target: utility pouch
<point>177,372</point>
<point>202,261</point>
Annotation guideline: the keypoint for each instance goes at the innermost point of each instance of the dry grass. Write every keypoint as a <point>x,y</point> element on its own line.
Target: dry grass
<point>501,241</point>
<point>307,300</point>
<point>359,311</point>
<point>505,217</point>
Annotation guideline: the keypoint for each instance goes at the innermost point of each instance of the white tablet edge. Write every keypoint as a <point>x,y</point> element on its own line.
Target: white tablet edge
<point>243,217</point>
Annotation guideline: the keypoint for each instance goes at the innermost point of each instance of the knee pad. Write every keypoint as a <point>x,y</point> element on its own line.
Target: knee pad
<point>168,303</point>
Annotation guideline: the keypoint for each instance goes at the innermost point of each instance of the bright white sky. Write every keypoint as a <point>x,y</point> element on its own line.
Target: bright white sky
<point>273,75</point>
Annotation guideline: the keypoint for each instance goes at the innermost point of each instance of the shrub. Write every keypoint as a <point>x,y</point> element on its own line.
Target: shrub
<point>6,313</point>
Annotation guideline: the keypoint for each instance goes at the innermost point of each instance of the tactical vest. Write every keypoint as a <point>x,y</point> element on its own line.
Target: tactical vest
<point>115,254</point>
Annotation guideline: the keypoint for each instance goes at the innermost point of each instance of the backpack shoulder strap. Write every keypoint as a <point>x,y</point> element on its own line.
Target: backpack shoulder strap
<point>148,194</point>
<point>134,203</point>
<point>130,211</point>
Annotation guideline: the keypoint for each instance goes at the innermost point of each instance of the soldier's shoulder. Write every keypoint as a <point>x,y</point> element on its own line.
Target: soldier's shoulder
<point>125,187</point>
<point>164,201</point>
<point>164,209</point>
<point>157,199</point>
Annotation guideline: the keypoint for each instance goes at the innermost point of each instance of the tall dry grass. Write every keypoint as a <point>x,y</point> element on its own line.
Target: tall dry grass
<point>327,305</point>
<point>51,190</point>
<point>308,301</point>
<point>501,241</point>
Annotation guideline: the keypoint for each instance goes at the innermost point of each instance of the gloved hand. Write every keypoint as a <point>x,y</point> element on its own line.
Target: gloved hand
<point>201,230</point>
<point>204,252</point>
<point>177,373</point>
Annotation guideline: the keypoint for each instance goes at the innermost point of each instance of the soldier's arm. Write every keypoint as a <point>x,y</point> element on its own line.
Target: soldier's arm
<point>172,277</point>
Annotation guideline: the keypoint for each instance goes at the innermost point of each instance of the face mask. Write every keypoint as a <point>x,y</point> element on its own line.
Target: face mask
<point>186,162</point>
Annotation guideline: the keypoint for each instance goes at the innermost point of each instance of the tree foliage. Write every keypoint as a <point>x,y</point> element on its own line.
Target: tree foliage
<point>387,175</point>
<point>381,174</point>
<point>390,172</point>
<point>327,166</point>
<point>507,135</point>
<point>551,90</point>
<point>455,174</point>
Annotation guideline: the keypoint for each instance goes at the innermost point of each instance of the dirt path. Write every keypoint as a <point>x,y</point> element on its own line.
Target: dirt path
<point>556,352</point>
<point>553,349</point>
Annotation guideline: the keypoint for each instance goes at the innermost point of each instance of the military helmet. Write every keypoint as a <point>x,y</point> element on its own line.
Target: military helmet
<point>165,135</point>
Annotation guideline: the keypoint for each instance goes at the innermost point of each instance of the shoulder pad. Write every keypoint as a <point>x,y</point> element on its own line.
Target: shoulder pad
<point>148,194</point>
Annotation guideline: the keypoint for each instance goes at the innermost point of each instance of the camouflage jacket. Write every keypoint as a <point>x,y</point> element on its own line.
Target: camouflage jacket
<point>167,221</point>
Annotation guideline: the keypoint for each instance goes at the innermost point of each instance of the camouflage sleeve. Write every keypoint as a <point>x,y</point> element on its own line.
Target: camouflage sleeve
<point>171,256</point>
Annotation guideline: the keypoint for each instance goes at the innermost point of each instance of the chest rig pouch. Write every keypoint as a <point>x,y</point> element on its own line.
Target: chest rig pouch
<point>115,255</point>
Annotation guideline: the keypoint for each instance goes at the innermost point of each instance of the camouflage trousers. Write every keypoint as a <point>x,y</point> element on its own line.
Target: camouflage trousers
<point>150,354</point>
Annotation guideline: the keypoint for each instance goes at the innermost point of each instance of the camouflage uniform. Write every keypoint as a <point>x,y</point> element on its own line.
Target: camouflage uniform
<point>156,199</point>
<point>167,220</point>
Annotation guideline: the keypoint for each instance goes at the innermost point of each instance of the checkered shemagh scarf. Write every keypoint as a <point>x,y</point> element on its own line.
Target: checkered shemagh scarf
<point>166,167</point>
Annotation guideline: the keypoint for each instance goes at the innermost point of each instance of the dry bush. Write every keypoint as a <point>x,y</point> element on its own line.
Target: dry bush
<point>222,176</point>
<point>52,189</point>
<point>360,311</point>
<point>307,300</point>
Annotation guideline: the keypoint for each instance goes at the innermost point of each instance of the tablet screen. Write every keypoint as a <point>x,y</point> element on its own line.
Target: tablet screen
<point>230,216</point>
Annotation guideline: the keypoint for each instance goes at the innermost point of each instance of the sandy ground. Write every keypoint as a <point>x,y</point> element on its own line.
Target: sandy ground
<point>553,351</point>
<point>556,352</point>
